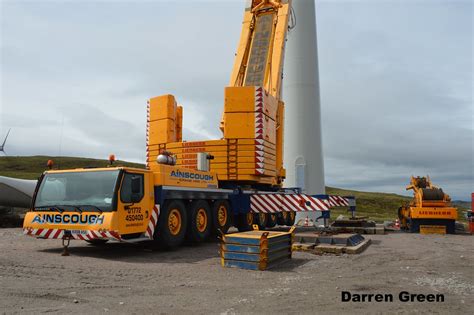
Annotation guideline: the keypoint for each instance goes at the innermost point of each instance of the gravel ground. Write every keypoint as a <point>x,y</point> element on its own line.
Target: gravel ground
<point>124,278</point>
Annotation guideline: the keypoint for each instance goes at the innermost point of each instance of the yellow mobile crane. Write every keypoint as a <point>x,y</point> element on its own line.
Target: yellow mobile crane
<point>430,207</point>
<point>190,189</point>
<point>251,149</point>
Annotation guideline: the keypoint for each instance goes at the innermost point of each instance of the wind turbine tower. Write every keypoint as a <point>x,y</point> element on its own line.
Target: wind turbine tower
<point>303,154</point>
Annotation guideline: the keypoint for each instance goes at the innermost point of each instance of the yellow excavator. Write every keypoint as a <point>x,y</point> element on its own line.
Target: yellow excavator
<point>430,209</point>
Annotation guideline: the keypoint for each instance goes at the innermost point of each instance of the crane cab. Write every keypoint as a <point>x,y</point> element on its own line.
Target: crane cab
<point>91,203</point>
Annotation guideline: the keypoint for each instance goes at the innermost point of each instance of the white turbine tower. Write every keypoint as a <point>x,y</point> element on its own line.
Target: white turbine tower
<point>303,145</point>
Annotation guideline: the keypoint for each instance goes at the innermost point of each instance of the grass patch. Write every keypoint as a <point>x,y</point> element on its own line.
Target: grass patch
<point>31,167</point>
<point>377,206</point>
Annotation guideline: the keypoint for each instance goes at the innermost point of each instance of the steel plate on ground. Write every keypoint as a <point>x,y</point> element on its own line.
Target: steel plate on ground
<point>255,249</point>
<point>254,237</point>
<point>253,265</point>
<point>285,252</point>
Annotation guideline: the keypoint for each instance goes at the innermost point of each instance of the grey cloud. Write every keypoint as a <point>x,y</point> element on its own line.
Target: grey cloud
<point>396,89</point>
<point>396,82</point>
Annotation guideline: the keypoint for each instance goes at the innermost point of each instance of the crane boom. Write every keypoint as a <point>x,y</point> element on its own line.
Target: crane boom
<point>190,189</point>
<point>251,149</point>
<point>259,59</point>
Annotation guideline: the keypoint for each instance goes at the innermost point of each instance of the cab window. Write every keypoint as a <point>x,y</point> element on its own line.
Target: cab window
<point>132,188</point>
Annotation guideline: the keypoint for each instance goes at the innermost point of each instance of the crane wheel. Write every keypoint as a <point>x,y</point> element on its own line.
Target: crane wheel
<point>221,216</point>
<point>245,222</point>
<point>290,219</point>
<point>199,227</point>
<point>282,218</point>
<point>400,215</point>
<point>272,220</point>
<point>171,228</point>
<point>414,225</point>
<point>261,220</point>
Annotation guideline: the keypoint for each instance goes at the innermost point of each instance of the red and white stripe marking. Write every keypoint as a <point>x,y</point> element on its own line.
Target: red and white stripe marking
<point>87,235</point>
<point>147,133</point>
<point>267,203</point>
<point>44,233</point>
<point>259,141</point>
<point>84,235</point>
<point>338,201</point>
<point>271,203</point>
<point>153,221</point>
<point>90,235</point>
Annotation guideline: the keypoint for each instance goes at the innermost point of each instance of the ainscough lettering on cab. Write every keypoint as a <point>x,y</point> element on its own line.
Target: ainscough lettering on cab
<point>191,175</point>
<point>68,219</point>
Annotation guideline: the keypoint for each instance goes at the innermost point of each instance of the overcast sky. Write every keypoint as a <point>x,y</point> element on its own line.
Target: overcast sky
<point>396,82</point>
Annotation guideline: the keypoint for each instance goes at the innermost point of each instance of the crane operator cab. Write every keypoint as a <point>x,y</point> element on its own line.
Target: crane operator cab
<point>84,203</point>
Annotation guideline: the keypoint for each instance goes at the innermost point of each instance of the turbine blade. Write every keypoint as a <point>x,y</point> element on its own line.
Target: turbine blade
<point>6,137</point>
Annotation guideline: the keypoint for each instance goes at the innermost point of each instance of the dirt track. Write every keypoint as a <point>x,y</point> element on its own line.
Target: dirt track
<point>123,278</point>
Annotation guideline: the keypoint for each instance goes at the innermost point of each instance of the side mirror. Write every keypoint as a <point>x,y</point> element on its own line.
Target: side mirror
<point>136,185</point>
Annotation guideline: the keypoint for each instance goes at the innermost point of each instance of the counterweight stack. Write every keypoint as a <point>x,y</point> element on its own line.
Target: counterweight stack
<point>251,150</point>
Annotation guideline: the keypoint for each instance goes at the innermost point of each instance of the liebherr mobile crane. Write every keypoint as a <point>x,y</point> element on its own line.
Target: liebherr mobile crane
<point>190,189</point>
<point>430,206</point>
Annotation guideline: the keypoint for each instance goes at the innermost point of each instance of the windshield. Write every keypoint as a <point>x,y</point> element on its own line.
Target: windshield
<point>86,191</point>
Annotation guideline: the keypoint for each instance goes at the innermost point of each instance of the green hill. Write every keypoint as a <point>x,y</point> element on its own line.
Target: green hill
<point>376,206</point>
<point>31,167</point>
<point>380,206</point>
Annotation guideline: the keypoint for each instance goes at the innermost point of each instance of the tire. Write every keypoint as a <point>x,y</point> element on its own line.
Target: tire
<point>414,225</point>
<point>451,227</point>
<point>290,220</point>
<point>261,220</point>
<point>403,220</point>
<point>221,216</point>
<point>272,220</point>
<point>400,215</point>
<point>199,227</point>
<point>245,222</point>
<point>97,242</point>
<point>282,218</point>
<point>171,227</point>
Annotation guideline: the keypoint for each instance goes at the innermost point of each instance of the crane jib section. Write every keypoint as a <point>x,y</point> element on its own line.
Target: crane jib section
<point>259,52</point>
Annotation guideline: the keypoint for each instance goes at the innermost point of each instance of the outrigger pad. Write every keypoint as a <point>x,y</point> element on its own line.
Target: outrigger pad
<point>256,250</point>
<point>343,239</point>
